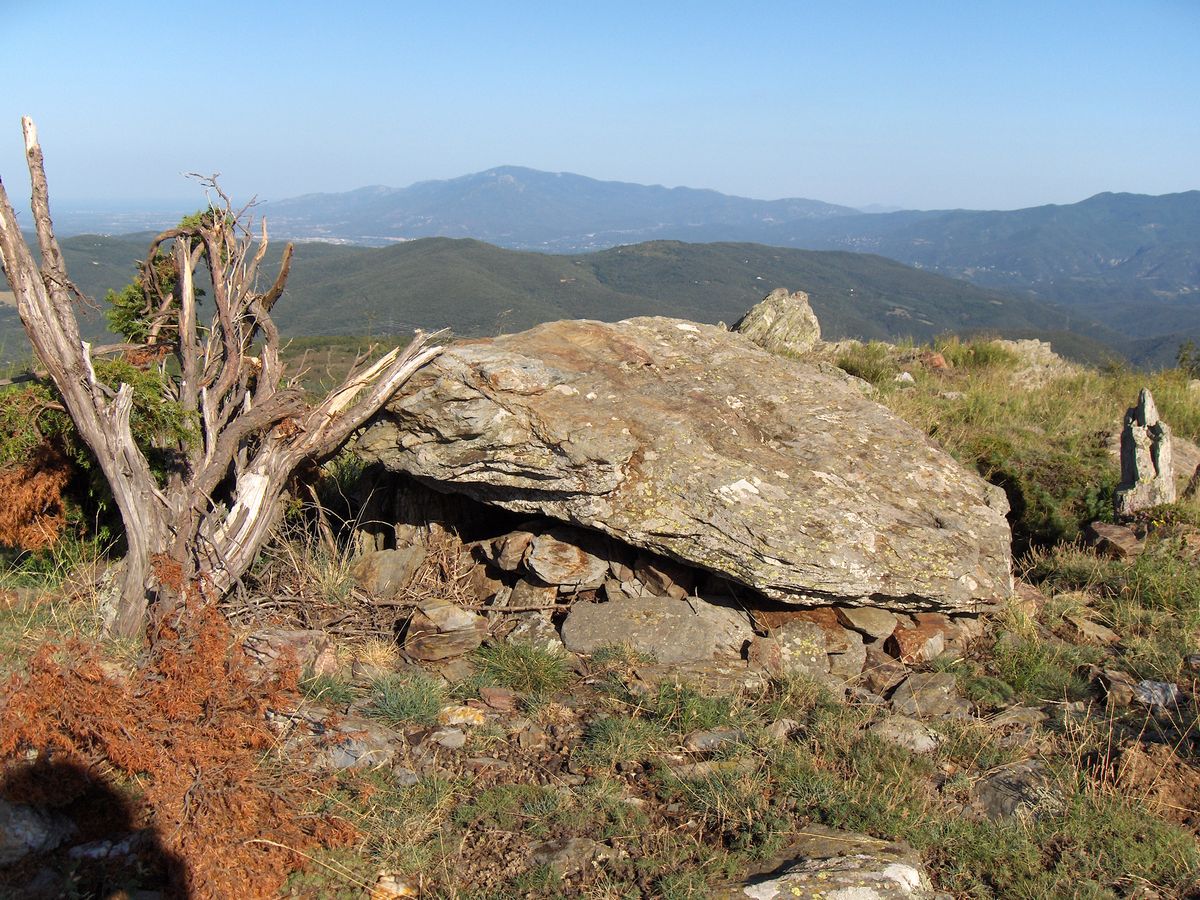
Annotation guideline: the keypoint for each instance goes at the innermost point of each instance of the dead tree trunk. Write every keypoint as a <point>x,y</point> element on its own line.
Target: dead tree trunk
<point>204,524</point>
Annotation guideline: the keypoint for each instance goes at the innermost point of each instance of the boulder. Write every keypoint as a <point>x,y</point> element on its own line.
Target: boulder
<point>782,323</point>
<point>567,856</point>
<point>1037,364</point>
<point>356,743</point>
<point>881,670</point>
<point>392,886</point>
<point>848,663</point>
<point>1116,541</point>
<point>696,444</point>
<point>276,648</point>
<point>713,740</point>
<point>28,829</point>
<point>1022,790</point>
<point>917,644</point>
<point>535,629</point>
<point>509,551</point>
<point>906,733</point>
<point>1083,629</point>
<point>670,631</point>
<point>929,695</point>
<point>1027,600</point>
<point>803,649</point>
<point>1147,470</point>
<point>663,578</point>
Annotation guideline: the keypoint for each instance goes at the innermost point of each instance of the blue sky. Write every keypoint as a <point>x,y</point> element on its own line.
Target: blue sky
<point>913,104</point>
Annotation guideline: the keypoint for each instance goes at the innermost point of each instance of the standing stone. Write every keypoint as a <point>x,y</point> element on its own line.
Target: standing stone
<point>782,322</point>
<point>1147,472</point>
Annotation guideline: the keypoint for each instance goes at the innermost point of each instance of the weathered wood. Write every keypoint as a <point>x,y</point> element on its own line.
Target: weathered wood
<point>207,523</point>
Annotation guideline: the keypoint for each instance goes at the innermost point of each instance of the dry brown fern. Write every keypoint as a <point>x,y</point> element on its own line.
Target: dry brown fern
<point>189,726</point>
<point>33,514</point>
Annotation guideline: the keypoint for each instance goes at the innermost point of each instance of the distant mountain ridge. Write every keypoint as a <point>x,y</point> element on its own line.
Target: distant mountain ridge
<point>1130,261</point>
<point>1121,267</point>
<point>477,289</point>
<point>527,209</point>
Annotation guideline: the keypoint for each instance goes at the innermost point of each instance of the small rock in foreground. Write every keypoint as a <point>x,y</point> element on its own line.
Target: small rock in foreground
<point>929,695</point>
<point>842,864</point>
<point>907,733</point>
<point>27,829</point>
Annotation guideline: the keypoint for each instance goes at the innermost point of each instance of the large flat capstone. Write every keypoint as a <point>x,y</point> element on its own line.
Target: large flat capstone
<point>695,443</point>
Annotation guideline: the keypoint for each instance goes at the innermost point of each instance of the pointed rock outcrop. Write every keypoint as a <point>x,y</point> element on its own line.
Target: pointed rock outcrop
<point>1147,471</point>
<point>782,323</point>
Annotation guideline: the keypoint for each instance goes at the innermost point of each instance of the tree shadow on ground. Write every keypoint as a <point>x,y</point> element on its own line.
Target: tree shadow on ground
<point>100,845</point>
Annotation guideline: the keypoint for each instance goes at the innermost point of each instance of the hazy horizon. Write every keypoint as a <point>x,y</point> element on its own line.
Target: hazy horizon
<point>182,203</point>
<point>927,106</point>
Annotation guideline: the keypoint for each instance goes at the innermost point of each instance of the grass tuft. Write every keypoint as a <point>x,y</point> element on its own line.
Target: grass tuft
<point>412,698</point>
<point>521,667</point>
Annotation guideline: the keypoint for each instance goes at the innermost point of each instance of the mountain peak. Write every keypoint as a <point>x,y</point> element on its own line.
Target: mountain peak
<point>524,208</point>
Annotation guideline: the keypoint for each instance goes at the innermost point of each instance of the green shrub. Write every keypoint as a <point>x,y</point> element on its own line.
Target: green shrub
<point>611,740</point>
<point>1153,602</point>
<point>1038,668</point>
<point>681,709</point>
<point>1098,847</point>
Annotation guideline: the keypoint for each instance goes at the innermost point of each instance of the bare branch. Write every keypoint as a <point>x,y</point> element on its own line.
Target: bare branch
<point>221,500</point>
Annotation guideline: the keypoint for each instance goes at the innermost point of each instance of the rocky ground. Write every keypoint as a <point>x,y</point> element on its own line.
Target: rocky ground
<point>504,680</point>
<point>1043,754</point>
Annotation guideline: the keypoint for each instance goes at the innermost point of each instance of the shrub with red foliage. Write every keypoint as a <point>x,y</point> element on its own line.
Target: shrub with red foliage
<point>33,515</point>
<point>189,725</point>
